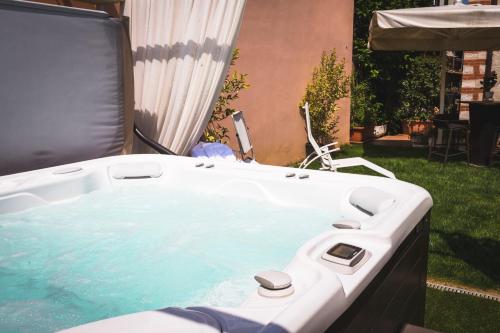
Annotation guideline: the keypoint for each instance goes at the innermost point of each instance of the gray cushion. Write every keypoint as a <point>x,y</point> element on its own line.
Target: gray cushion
<point>61,86</point>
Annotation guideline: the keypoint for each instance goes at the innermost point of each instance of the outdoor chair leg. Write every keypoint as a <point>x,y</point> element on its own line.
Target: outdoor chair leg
<point>450,136</point>
<point>467,145</point>
<point>430,143</point>
<point>494,149</point>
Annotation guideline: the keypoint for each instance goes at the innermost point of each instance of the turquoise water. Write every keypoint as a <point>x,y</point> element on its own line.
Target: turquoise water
<point>132,249</point>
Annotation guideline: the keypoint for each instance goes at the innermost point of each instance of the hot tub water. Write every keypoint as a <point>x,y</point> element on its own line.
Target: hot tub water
<point>130,249</point>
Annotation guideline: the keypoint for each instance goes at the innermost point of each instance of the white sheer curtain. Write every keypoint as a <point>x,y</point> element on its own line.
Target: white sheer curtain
<point>182,50</point>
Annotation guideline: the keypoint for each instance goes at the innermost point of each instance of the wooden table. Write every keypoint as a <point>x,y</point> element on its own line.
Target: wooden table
<point>484,118</point>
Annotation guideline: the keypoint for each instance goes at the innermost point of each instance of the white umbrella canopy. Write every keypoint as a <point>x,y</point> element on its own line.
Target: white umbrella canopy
<point>441,28</point>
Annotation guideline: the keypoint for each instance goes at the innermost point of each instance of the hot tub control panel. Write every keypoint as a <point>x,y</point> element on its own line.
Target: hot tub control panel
<point>344,254</point>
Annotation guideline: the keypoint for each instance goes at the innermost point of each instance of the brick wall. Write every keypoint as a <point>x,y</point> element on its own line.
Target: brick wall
<point>495,66</point>
<point>473,73</point>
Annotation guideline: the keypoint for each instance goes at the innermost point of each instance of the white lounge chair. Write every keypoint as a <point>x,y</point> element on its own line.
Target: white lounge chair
<point>324,155</point>
<point>243,137</point>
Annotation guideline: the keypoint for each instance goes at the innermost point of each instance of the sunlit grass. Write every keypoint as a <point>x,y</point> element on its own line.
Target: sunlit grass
<point>457,313</point>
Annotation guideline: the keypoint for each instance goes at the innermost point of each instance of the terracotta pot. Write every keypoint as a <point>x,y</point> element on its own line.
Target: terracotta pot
<point>362,134</point>
<point>404,127</point>
<point>416,126</point>
<point>367,133</point>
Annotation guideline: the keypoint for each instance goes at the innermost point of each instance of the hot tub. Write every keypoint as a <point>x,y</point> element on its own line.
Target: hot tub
<point>150,243</point>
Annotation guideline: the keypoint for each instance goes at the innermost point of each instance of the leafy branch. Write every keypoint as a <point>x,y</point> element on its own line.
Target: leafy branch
<point>329,84</point>
<point>233,84</point>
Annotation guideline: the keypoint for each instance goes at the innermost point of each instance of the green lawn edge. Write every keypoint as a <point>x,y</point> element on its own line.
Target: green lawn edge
<point>457,313</point>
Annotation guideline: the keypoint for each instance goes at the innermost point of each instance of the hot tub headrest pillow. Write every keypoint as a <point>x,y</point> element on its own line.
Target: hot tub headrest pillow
<point>371,200</point>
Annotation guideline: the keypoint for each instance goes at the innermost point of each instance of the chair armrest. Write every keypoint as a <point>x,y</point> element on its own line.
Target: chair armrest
<point>358,161</point>
<point>306,163</point>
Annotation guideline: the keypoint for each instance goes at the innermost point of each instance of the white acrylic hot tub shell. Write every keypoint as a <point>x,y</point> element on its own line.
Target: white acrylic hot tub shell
<point>321,293</point>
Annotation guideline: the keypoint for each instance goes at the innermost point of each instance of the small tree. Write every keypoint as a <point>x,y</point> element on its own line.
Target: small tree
<point>420,88</point>
<point>233,83</point>
<point>329,84</point>
<point>365,110</point>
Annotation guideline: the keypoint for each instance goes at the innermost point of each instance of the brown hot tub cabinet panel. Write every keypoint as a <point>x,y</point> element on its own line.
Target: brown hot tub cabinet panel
<point>396,296</point>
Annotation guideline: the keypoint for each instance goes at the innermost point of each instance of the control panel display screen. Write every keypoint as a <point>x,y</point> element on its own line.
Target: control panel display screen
<point>344,251</point>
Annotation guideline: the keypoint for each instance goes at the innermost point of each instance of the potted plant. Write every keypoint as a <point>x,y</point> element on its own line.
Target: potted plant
<point>490,80</point>
<point>419,94</point>
<point>367,120</point>
<point>420,123</point>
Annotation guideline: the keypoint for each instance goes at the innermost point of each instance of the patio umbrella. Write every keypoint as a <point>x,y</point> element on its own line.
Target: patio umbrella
<point>442,28</point>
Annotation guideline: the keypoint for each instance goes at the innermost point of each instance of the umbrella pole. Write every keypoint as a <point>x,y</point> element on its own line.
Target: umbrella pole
<point>442,92</point>
<point>442,89</point>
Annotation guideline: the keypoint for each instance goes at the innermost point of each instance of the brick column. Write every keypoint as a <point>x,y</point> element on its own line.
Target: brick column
<point>473,73</point>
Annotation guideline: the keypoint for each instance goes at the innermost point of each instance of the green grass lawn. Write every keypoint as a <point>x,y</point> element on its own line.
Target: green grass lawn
<point>457,313</point>
<point>465,224</point>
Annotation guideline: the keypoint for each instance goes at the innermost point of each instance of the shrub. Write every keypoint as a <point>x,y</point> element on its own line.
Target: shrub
<point>420,88</point>
<point>329,84</point>
<point>233,84</point>
<point>365,110</point>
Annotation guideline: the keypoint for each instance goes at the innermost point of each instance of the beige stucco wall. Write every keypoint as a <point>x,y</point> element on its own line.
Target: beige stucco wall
<point>280,43</point>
